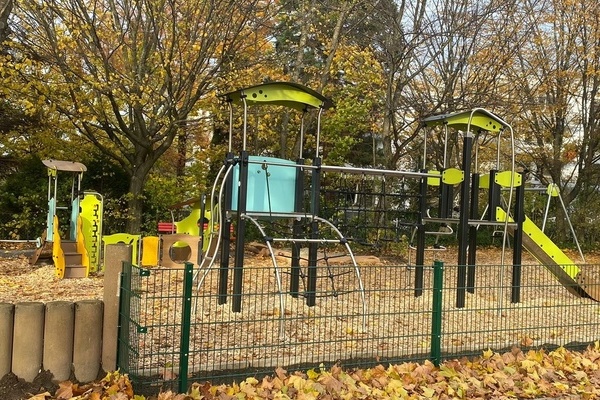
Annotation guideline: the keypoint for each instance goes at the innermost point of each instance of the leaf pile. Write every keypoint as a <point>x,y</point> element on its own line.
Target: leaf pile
<point>113,386</point>
<point>559,373</point>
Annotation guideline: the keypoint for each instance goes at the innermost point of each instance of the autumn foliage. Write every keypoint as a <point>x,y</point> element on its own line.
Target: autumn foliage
<point>514,374</point>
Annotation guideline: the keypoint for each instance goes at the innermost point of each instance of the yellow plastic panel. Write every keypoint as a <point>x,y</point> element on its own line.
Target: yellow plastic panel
<point>503,178</point>
<point>433,181</point>
<point>285,94</point>
<point>552,190</point>
<point>58,256</point>
<point>85,259</point>
<point>453,176</point>
<point>150,251</point>
<point>484,181</point>
<point>476,120</point>
<point>124,238</point>
<point>91,214</point>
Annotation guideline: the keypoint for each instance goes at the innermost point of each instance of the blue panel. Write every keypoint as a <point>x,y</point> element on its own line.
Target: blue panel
<point>270,187</point>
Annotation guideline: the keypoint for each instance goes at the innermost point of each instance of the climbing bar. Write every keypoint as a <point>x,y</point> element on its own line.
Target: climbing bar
<point>307,240</point>
<point>375,172</point>
<point>471,221</point>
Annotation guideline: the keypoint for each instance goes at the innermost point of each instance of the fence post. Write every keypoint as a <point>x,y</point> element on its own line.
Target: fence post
<point>184,347</point>
<point>114,255</point>
<point>124,318</point>
<point>436,313</point>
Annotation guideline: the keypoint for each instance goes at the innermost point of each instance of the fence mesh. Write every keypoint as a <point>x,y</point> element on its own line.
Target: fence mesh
<point>384,323</point>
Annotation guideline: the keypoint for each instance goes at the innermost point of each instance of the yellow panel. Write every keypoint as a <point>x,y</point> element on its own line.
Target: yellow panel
<point>479,118</point>
<point>85,258</point>
<point>503,178</point>
<point>453,176</point>
<point>150,249</point>
<point>91,213</point>
<point>125,238</point>
<point>552,190</point>
<point>58,256</point>
<point>484,181</point>
<point>433,181</point>
<point>285,94</point>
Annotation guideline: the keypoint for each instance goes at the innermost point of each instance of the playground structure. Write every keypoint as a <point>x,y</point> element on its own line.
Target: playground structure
<point>282,199</point>
<point>507,216</point>
<point>286,202</point>
<point>76,245</point>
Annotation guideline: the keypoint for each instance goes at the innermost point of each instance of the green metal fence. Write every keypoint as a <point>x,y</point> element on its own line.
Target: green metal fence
<point>173,332</point>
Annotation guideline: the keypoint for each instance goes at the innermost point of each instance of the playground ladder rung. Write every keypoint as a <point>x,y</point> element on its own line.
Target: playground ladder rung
<point>306,240</point>
<point>442,220</point>
<point>439,233</point>
<point>278,215</point>
<point>428,248</point>
<point>471,221</point>
<point>490,223</point>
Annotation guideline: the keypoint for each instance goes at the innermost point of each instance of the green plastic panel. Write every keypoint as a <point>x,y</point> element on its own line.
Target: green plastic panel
<point>503,178</point>
<point>431,180</point>
<point>479,118</point>
<point>91,216</point>
<point>285,94</point>
<point>453,176</point>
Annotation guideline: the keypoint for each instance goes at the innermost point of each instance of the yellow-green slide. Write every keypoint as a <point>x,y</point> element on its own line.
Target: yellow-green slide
<point>553,258</point>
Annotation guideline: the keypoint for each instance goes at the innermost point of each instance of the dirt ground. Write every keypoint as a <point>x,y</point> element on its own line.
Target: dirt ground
<point>13,388</point>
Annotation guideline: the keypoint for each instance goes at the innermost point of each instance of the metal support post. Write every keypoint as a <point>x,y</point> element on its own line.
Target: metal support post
<point>238,266</point>
<point>463,226</point>
<point>473,212</point>
<point>311,286</point>
<point>515,296</point>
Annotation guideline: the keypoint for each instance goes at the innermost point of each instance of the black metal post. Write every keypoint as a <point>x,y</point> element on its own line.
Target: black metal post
<point>446,194</point>
<point>493,196</point>
<point>473,212</point>
<point>515,296</point>
<point>420,245</point>
<point>186,326</point>
<point>238,266</point>
<point>311,285</point>
<point>463,226</point>
<point>437,313</point>
<point>297,231</point>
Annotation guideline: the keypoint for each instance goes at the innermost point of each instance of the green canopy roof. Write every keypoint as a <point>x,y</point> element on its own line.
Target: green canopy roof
<point>479,118</point>
<point>285,94</point>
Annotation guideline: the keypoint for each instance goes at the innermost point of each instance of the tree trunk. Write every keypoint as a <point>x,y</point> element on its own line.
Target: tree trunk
<point>135,197</point>
<point>5,10</point>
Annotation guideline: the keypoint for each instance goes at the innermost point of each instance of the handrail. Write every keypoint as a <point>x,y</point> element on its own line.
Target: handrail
<point>58,255</point>
<point>80,240</point>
